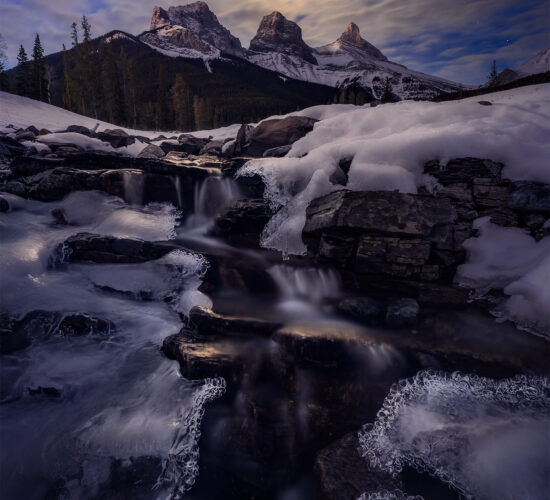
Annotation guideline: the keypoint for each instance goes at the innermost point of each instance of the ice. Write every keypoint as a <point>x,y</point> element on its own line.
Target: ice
<point>486,438</point>
<point>509,258</point>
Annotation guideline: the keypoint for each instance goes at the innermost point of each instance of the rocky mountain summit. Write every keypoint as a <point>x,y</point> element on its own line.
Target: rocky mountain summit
<point>277,34</point>
<point>193,26</point>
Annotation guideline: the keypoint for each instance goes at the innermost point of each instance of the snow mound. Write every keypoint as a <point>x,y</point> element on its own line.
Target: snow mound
<point>388,495</point>
<point>486,438</point>
<point>389,145</point>
<point>508,258</point>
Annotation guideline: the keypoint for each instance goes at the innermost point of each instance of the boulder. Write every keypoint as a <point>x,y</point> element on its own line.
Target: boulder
<point>16,188</point>
<point>25,135</point>
<point>402,312</point>
<point>33,129</point>
<point>363,309</point>
<point>44,131</point>
<point>13,147</point>
<point>382,212</point>
<point>116,137</point>
<point>242,222</point>
<point>190,144</point>
<point>84,324</point>
<point>277,152</point>
<point>80,129</point>
<point>212,148</point>
<point>278,132</point>
<point>59,216</point>
<point>464,170</point>
<point>152,151</point>
<point>207,321</point>
<point>89,247</point>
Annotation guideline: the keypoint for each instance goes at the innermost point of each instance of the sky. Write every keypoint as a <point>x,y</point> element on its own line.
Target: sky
<point>453,39</point>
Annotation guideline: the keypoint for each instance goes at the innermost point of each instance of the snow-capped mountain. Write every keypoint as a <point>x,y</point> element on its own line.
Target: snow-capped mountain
<point>539,63</point>
<point>193,31</point>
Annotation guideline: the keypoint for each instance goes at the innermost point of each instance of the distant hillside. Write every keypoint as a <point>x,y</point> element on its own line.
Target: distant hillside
<point>124,81</point>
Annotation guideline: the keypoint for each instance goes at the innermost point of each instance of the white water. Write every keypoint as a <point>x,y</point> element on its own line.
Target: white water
<point>119,397</point>
<point>212,195</point>
<point>488,439</point>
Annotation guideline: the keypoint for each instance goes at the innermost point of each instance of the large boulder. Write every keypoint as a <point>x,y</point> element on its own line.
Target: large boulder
<point>190,144</point>
<point>279,132</point>
<point>152,151</point>
<point>116,137</point>
<point>526,196</point>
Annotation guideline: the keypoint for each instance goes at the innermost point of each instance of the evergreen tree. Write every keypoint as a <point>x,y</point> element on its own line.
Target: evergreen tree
<point>162,99</point>
<point>40,85</point>
<point>133,97</point>
<point>74,34</point>
<point>493,76</point>
<point>182,103</point>
<point>387,92</point>
<point>86,29</point>
<point>3,61</point>
<point>113,90</point>
<point>22,73</point>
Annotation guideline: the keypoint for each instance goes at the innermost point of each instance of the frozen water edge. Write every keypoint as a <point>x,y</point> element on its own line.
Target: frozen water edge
<point>486,438</point>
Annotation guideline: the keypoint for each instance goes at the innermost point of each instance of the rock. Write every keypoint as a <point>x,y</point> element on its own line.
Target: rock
<point>402,312</point>
<point>16,188</point>
<point>59,216</point>
<point>207,321</point>
<point>13,147</point>
<point>383,212</point>
<point>46,391</point>
<point>25,135</point>
<point>485,103</point>
<point>190,144</point>
<point>84,247</point>
<point>364,309</point>
<point>4,205</point>
<point>152,151</point>
<point>33,129</point>
<point>116,137</point>
<point>44,131</point>
<point>242,222</point>
<point>529,196</point>
<point>278,132</point>
<point>464,170</point>
<point>83,324</point>
<point>212,148</point>
<point>80,129</point>
<point>277,152</point>
<point>343,474</point>
<point>20,333</point>
<point>278,34</point>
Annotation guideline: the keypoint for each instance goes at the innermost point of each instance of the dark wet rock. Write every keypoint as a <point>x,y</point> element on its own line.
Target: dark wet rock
<point>212,148</point>
<point>277,152</point>
<point>16,188</point>
<point>402,312</point>
<point>174,146</point>
<point>485,103</point>
<point>207,322</point>
<point>44,131</point>
<point>242,140</point>
<point>278,132</point>
<point>528,196</point>
<point>84,324</point>
<point>152,151</point>
<point>25,135</point>
<point>13,147</point>
<point>242,222</point>
<point>17,334</point>
<point>4,205</point>
<point>59,216</point>
<point>33,129</point>
<point>190,144</point>
<point>117,138</point>
<point>80,129</point>
<point>251,186</point>
<point>464,170</point>
<point>343,474</point>
<point>364,309</point>
<point>383,212</point>
<point>83,247</point>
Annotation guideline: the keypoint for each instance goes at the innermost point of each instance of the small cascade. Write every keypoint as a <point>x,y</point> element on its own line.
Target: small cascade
<point>133,187</point>
<point>211,196</point>
<point>305,289</point>
<point>177,187</point>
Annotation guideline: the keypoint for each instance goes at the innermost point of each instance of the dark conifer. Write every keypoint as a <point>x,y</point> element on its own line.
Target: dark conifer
<point>40,86</point>
<point>22,73</point>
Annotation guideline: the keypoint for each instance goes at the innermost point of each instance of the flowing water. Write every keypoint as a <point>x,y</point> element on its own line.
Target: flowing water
<point>110,397</point>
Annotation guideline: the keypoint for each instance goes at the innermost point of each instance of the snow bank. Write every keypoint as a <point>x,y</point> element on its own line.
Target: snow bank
<point>486,438</point>
<point>389,145</point>
<point>508,258</point>
<point>21,112</point>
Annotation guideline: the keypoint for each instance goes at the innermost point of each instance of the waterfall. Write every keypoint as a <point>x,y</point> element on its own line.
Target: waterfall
<point>308,284</point>
<point>177,187</point>
<point>133,183</point>
<point>211,196</point>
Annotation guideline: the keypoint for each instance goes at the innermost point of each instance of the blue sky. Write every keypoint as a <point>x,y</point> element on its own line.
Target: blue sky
<point>454,39</point>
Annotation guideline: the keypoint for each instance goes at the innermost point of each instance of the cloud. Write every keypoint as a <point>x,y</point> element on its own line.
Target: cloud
<point>436,36</point>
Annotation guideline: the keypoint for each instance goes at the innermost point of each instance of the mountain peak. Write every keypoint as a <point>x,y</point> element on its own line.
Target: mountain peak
<point>200,22</point>
<point>351,34</point>
<point>277,34</point>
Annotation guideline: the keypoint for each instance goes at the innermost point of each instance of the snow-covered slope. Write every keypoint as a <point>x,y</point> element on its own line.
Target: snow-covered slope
<point>539,63</point>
